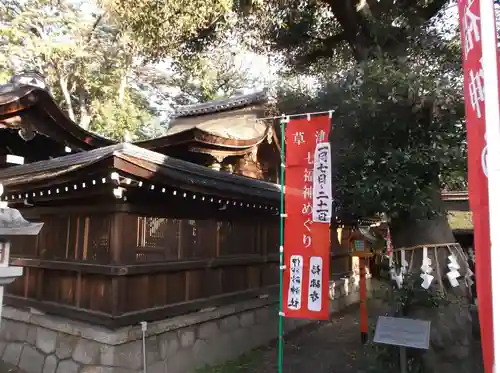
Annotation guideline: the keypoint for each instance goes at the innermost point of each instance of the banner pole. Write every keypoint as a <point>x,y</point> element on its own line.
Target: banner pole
<point>282,243</point>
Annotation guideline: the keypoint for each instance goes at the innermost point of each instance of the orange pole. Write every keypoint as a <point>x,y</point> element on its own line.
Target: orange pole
<point>363,319</point>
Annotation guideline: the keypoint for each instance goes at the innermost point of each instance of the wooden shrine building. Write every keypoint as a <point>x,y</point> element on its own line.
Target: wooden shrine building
<point>114,212</point>
<point>180,231</point>
<point>134,235</point>
<point>224,135</point>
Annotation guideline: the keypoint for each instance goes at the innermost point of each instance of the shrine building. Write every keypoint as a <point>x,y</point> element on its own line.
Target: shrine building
<point>179,232</point>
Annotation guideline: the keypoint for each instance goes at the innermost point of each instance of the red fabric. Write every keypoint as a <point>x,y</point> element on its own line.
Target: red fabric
<point>302,236</point>
<point>469,13</point>
<point>389,243</point>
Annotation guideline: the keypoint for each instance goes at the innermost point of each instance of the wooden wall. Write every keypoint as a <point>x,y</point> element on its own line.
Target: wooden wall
<point>119,267</point>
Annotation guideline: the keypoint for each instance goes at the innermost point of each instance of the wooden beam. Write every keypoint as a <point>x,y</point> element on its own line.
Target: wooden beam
<point>132,318</point>
<point>146,268</point>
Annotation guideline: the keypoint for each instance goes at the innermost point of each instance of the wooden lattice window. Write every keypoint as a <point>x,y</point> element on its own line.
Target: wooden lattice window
<point>157,239</point>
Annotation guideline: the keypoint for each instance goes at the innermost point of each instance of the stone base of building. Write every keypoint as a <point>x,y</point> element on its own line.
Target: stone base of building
<point>41,343</point>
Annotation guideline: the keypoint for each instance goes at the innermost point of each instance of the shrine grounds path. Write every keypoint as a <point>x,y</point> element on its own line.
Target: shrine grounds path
<point>325,347</point>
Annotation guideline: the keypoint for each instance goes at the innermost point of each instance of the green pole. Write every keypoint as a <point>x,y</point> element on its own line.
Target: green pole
<point>282,243</point>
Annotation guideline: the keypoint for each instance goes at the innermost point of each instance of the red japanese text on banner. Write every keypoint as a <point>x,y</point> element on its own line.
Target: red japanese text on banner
<point>307,244</point>
<point>469,13</point>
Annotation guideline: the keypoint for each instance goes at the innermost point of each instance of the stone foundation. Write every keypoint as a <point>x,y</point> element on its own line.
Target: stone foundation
<point>40,343</point>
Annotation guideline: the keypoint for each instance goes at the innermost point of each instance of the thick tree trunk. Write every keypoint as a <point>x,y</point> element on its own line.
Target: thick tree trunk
<point>451,326</point>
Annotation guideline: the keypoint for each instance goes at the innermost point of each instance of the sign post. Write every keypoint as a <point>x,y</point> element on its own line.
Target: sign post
<point>403,332</point>
<point>11,223</point>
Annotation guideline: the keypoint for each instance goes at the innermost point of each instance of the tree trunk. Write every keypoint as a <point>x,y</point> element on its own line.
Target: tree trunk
<point>124,80</point>
<point>85,116</point>
<point>451,324</point>
<point>63,83</point>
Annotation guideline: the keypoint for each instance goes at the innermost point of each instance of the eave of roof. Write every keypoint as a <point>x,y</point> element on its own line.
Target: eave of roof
<point>175,170</point>
<point>461,195</point>
<point>19,100</point>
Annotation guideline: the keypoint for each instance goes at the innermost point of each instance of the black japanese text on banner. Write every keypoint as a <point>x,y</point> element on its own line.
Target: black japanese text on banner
<point>322,183</point>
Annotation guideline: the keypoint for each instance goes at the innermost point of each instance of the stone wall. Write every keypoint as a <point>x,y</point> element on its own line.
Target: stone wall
<point>39,343</point>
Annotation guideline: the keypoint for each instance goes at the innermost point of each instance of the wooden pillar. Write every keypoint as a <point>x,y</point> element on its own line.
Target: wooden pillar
<point>123,240</point>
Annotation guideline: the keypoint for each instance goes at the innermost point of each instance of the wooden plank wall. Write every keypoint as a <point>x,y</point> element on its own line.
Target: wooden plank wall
<point>120,267</point>
<point>221,258</point>
<point>118,264</point>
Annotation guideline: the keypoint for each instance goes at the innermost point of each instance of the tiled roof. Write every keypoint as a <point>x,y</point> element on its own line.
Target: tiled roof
<point>178,170</point>
<point>230,103</point>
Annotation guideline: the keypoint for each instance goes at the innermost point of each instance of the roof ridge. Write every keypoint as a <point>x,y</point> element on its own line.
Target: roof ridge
<point>214,106</point>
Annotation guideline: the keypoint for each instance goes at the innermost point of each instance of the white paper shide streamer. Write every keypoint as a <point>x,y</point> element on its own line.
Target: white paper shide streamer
<point>322,184</point>
<point>398,276</point>
<point>404,262</point>
<point>426,270</point>
<point>453,274</point>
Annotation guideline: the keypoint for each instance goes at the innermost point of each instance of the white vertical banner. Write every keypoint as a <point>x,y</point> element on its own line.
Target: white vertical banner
<point>315,283</point>
<point>295,288</point>
<point>322,184</point>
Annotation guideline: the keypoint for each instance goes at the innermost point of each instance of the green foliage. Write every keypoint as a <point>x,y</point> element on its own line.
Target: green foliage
<point>161,28</point>
<point>115,120</point>
<point>213,74</point>
<point>398,124</point>
<point>308,32</point>
<point>398,130</point>
<point>93,58</point>
<point>86,60</point>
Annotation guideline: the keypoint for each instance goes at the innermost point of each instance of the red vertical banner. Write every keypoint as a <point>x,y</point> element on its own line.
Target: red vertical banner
<point>469,13</point>
<point>307,244</point>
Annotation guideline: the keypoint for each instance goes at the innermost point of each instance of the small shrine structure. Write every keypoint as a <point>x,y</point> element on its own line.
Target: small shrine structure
<point>179,233</point>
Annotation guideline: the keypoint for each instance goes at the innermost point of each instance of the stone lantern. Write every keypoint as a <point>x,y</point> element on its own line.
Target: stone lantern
<point>11,223</point>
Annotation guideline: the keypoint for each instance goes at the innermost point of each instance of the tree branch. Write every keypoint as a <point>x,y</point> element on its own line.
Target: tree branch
<point>326,48</point>
<point>94,27</point>
<point>366,33</point>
